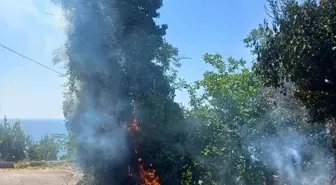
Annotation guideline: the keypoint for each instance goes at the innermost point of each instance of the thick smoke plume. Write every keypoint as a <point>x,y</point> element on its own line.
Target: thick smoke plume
<point>295,160</point>
<point>290,146</point>
<point>103,150</point>
<point>110,45</point>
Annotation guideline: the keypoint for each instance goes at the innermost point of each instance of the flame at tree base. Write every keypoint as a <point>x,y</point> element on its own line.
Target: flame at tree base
<point>147,176</point>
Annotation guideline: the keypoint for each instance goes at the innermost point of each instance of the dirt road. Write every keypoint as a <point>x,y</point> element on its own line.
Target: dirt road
<point>48,176</point>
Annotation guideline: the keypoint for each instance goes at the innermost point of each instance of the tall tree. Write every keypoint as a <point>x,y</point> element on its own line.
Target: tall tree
<point>117,59</point>
<point>14,141</point>
<point>229,101</point>
<point>300,47</point>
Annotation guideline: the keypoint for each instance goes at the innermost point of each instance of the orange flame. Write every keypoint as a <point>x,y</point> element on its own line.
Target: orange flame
<point>147,177</point>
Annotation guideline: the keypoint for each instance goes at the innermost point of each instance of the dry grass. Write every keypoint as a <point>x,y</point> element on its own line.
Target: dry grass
<point>42,164</point>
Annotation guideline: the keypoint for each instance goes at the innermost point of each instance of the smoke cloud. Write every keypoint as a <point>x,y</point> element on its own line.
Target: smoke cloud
<point>95,103</point>
<point>110,51</point>
<point>294,158</point>
<point>290,146</point>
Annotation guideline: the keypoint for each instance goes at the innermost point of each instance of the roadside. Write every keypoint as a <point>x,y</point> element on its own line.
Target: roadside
<point>51,175</point>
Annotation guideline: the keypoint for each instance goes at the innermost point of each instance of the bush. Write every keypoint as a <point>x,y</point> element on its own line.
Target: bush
<point>14,142</point>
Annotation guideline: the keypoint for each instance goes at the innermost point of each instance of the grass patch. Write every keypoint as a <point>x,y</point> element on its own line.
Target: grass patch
<point>41,164</point>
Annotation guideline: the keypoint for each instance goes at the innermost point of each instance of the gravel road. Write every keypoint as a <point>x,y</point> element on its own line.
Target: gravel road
<point>34,176</point>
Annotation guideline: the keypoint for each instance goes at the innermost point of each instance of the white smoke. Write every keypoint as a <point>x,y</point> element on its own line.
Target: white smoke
<point>297,151</point>
<point>94,103</point>
<point>296,160</point>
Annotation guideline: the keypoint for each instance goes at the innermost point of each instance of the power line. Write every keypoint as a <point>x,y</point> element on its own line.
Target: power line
<point>38,63</point>
<point>49,13</point>
<point>184,58</point>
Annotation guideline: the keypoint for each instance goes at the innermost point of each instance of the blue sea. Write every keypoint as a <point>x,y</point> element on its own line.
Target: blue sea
<point>38,128</point>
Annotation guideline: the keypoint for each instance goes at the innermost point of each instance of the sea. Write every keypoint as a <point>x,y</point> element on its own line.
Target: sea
<point>38,128</point>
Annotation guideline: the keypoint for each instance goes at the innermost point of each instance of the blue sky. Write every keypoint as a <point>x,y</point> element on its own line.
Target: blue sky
<point>195,27</point>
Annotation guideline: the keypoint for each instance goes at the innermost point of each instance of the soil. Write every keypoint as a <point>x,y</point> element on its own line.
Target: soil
<point>61,175</point>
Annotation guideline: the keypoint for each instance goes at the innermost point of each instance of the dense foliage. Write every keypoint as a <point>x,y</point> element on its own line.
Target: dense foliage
<point>299,46</point>
<point>117,61</point>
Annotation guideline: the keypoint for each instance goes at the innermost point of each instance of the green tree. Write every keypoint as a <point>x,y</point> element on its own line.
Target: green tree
<point>116,53</point>
<point>229,109</point>
<point>49,147</point>
<point>300,47</point>
<point>68,145</point>
<point>14,141</point>
<point>34,152</point>
<point>224,101</point>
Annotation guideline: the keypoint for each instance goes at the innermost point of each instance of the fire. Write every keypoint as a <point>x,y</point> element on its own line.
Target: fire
<point>134,127</point>
<point>147,176</point>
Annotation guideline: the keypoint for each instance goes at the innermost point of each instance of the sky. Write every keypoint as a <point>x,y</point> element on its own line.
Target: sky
<point>35,28</point>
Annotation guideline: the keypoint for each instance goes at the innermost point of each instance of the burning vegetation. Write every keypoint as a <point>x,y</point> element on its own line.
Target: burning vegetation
<point>241,127</point>
<point>116,55</point>
<point>147,176</point>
